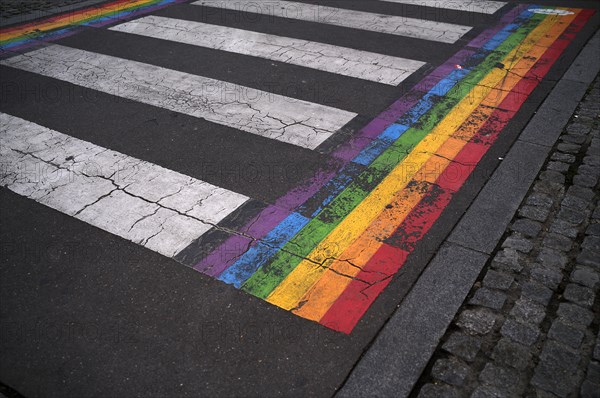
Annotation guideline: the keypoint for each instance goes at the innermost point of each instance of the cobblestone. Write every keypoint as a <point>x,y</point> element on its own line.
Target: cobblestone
<point>575,202</point>
<point>557,370</point>
<point>498,280</point>
<point>593,229</point>
<point>450,371</point>
<point>520,332</point>
<point>554,176</point>
<point>565,334</point>
<point>511,354</point>
<point>592,243</point>
<point>488,298</point>
<point>552,258</point>
<point>585,276</point>
<point>587,257</point>
<point>574,217</point>
<point>581,192</point>
<point>563,157</point>
<point>437,391</point>
<point>558,166</point>
<point>536,213</point>
<point>558,242</point>
<point>568,148</point>
<point>508,259</point>
<point>527,227</point>
<point>500,376</point>
<point>575,314</point>
<point>536,292</point>
<point>547,276</point>
<point>579,295</point>
<point>527,311</point>
<point>519,243</point>
<point>463,346</point>
<point>564,228</point>
<point>528,328</point>
<point>540,199</point>
<point>477,321</point>
<point>590,390</point>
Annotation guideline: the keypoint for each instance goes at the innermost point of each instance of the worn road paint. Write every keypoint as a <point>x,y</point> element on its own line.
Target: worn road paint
<point>394,25</point>
<point>53,28</point>
<point>326,57</point>
<point>351,212</point>
<point>258,112</point>
<point>147,204</point>
<point>410,175</point>
<point>325,250</point>
<point>356,299</point>
<point>391,204</point>
<point>481,6</point>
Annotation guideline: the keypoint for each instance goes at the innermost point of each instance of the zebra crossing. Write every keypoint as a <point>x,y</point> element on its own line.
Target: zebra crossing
<point>353,181</point>
<point>344,61</point>
<point>389,24</point>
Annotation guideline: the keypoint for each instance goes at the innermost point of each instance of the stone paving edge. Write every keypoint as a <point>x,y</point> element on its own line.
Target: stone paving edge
<point>394,362</point>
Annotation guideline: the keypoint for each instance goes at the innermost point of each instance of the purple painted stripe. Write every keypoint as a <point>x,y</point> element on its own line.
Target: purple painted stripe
<point>348,151</point>
<point>507,18</point>
<point>72,30</point>
<point>228,252</point>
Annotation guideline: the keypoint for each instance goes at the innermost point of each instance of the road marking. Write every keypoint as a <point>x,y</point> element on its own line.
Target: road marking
<point>157,208</point>
<point>402,152</point>
<point>481,6</point>
<point>258,112</point>
<point>344,61</point>
<point>347,310</point>
<point>363,231</point>
<point>394,25</point>
<point>58,26</point>
<point>321,296</point>
<point>367,226</point>
<point>458,119</point>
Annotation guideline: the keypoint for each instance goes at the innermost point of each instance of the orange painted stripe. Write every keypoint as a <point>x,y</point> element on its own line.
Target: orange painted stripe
<point>319,298</point>
<point>67,19</point>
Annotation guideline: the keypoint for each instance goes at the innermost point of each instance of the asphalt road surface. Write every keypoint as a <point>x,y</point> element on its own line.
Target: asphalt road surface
<point>230,198</point>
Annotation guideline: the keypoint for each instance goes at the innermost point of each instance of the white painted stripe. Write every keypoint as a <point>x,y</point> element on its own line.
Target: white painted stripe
<point>147,204</point>
<point>266,114</point>
<point>480,6</point>
<point>395,25</point>
<point>344,61</point>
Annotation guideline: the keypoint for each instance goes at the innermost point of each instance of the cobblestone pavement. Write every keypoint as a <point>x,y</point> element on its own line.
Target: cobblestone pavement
<point>529,326</point>
<point>12,8</point>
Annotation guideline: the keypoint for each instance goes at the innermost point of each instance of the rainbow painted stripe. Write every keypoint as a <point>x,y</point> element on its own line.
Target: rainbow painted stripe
<point>53,28</point>
<point>329,248</point>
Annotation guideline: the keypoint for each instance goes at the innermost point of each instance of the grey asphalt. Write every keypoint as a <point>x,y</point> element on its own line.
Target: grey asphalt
<point>85,313</point>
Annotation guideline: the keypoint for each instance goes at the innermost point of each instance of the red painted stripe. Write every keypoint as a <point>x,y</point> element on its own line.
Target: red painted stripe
<point>358,296</point>
<point>59,17</point>
<point>349,308</point>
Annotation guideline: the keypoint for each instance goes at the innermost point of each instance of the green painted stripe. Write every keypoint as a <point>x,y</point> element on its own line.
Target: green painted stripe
<point>268,277</point>
<point>34,34</point>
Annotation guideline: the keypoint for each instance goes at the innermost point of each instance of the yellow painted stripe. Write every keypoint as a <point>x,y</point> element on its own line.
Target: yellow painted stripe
<point>331,285</point>
<point>69,20</point>
<point>290,292</point>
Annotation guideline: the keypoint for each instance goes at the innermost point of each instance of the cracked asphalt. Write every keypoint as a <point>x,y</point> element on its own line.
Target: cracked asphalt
<point>150,150</point>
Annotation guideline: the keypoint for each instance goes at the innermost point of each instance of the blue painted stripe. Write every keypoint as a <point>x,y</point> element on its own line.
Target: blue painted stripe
<point>448,82</point>
<point>258,254</point>
<point>332,188</point>
<point>377,146</point>
<point>509,29</point>
<point>57,34</point>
